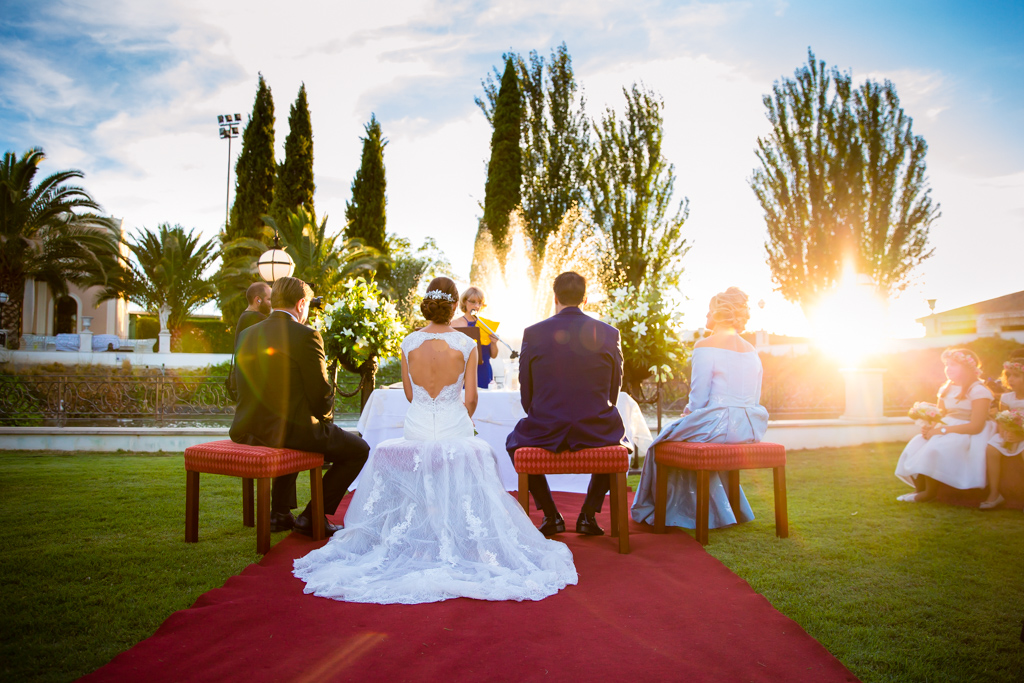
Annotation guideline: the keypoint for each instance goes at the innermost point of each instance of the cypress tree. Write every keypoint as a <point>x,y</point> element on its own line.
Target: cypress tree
<point>504,170</point>
<point>294,185</point>
<point>254,193</point>
<point>255,169</point>
<point>367,212</point>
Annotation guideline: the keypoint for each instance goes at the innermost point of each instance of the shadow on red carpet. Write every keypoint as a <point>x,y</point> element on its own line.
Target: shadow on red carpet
<point>668,611</point>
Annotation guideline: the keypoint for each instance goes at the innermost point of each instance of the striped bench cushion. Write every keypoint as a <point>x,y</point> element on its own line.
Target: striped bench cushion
<point>603,460</point>
<point>252,462</point>
<point>719,456</point>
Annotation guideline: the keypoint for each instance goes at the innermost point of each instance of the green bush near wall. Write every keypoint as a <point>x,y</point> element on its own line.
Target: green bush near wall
<point>200,335</point>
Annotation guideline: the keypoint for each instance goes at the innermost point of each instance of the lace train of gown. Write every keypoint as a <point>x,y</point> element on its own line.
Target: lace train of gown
<point>432,521</point>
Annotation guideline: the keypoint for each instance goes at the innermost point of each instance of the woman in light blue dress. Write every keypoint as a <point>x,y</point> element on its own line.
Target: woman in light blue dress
<point>725,387</point>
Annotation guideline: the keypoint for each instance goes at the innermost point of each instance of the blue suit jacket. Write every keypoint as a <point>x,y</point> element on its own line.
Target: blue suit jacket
<point>570,372</point>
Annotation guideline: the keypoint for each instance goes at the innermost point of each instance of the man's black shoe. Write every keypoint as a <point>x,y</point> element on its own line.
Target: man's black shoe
<point>304,525</point>
<point>550,527</point>
<point>281,521</point>
<point>587,524</point>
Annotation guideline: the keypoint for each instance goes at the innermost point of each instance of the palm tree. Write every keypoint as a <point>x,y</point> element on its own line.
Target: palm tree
<point>323,260</point>
<point>41,236</point>
<point>168,270</point>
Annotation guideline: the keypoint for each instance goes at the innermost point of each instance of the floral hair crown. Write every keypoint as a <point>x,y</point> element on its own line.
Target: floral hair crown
<point>438,294</point>
<point>960,357</point>
<point>1013,366</point>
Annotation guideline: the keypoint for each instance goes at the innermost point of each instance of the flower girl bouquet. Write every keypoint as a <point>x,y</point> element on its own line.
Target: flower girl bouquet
<point>927,413</point>
<point>1011,425</point>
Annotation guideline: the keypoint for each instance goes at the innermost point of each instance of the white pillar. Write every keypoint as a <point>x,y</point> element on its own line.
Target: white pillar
<point>864,397</point>
<point>165,342</point>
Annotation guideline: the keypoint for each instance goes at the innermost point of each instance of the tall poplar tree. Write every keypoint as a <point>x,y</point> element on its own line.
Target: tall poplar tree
<point>555,140</point>
<point>631,188</point>
<point>294,185</point>
<point>367,212</point>
<point>504,170</point>
<point>254,193</point>
<point>842,179</point>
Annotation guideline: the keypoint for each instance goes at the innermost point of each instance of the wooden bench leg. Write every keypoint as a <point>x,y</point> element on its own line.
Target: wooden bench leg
<point>781,514</point>
<point>316,503</point>
<point>703,486</point>
<point>191,506</point>
<point>524,492</point>
<point>620,514</point>
<point>613,504</point>
<point>263,515</point>
<point>247,502</point>
<point>660,498</point>
<point>733,489</point>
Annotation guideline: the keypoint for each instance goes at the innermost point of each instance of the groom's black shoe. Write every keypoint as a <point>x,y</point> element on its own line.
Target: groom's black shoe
<point>304,525</point>
<point>281,521</point>
<point>552,525</point>
<point>587,524</point>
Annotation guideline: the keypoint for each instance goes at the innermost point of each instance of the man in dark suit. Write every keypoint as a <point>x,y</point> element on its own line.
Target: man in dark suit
<point>285,401</point>
<point>570,372</point>
<point>258,296</point>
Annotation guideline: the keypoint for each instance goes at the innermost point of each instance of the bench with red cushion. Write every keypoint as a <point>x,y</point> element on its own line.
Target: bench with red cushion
<point>251,462</point>
<point>613,460</point>
<point>705,458</point>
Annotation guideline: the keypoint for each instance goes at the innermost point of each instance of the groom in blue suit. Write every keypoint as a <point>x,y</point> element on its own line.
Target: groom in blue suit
<point>570,372</point>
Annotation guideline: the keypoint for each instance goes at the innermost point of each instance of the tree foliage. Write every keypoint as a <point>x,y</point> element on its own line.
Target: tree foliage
<point>367,212</point>
<point>504,170</point>
<point>43,238</point>
<point>324,260</point>
<point>254,193</point>
<point>409,270</point>
<point>555,139</point>
<point>168,269</point>
<point>842,178</point>
<point>294,186</point>
<point>631,186</point>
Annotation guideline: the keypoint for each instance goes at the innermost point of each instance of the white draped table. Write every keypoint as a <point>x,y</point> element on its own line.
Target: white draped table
<point>497,413</point>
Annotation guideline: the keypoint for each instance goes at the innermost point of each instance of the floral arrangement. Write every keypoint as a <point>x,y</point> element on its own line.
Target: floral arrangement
<point>648,324</point>
<point>361,326</point>
<point>925,412</point>
<point>1011,425</point>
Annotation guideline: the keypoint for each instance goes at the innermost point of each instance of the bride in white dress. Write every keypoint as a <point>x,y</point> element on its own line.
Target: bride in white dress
<point>431,520</point>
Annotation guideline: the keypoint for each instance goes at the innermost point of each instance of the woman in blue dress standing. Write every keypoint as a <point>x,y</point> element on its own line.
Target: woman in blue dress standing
<point>725,390</point>
<point>471,301</point>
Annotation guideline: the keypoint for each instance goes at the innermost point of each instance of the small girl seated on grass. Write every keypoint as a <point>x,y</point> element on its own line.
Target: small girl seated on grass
<point>1008,441</point>
<point>951,451</point>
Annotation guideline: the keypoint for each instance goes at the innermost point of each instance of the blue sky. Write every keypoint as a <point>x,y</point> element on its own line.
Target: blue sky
<point>128,92</point>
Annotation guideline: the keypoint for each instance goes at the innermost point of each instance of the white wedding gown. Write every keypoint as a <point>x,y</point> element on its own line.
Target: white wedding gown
<point>431,520</point>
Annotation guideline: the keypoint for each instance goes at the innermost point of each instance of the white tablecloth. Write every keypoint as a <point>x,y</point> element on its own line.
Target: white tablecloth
<point>497,413</point>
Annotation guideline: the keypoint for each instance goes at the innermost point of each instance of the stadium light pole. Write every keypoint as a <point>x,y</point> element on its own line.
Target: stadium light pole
<point>228,124</point>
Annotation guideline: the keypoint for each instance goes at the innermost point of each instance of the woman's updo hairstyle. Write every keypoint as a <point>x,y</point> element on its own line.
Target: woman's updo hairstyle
<point>438,305</point>
<point>730,308</point>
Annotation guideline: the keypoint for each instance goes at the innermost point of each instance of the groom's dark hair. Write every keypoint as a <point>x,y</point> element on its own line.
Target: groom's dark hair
<point>570,288</point>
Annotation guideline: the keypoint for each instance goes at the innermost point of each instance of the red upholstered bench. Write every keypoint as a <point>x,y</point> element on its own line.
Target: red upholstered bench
<point>251,462</point>
<point>612,460</point>
<point>705,458</point>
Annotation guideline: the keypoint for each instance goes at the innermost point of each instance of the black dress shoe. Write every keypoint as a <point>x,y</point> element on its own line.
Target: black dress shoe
<point>587,524</point>
<point>281,521</point>
<point>304,525</point>
<point>550,527</point>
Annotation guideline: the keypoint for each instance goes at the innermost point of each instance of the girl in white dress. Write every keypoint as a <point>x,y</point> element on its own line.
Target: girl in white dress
<point>953,451</point>
<point>998,447</point>
<point>431,520</point>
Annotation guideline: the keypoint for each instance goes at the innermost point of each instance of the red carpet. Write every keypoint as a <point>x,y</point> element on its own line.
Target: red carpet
<point>666,612</point>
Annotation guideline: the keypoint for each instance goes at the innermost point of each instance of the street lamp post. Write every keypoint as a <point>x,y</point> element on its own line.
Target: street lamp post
<point>228,130</point>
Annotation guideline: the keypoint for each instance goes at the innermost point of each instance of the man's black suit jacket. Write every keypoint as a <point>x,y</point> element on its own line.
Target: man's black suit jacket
<point>285,400</point>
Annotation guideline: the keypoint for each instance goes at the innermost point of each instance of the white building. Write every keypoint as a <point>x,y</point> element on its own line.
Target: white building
<point>985,318</point>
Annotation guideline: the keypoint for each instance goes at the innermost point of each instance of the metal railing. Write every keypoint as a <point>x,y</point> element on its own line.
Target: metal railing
<point>36,399</point>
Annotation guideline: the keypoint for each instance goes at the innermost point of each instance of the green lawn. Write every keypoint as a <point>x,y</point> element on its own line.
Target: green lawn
<point>93,561</point>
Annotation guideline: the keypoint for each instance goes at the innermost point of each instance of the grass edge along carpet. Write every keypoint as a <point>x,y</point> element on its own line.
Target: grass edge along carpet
<point>666,611</point>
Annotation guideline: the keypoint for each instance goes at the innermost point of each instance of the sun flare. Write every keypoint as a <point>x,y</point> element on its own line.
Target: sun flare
<point>850,322</point>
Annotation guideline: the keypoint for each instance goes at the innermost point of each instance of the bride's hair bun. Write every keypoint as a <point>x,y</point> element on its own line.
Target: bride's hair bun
<point>438,305</point>
<point>730,308</point>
